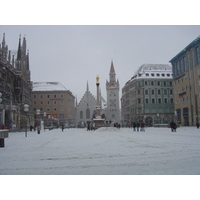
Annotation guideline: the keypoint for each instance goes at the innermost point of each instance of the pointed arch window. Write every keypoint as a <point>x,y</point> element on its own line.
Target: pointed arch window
<point>87,113</point>
<point>81,114</point>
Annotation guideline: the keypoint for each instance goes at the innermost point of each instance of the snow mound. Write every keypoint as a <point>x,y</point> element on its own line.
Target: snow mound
<point>107,129</point>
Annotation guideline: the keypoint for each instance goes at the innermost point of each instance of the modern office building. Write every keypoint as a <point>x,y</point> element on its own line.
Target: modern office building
<point>186,78</point>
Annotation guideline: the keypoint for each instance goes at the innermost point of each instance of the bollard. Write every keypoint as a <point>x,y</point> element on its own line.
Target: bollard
<point>1,142</point>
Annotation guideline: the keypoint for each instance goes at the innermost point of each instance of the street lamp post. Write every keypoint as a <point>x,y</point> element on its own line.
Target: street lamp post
<point>26,109</point>
<point>38,125</point>
<point>158,119</point>
<point>44,116</point>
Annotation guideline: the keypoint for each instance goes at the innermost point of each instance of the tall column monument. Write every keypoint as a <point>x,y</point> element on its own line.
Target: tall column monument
<point>99,122</point>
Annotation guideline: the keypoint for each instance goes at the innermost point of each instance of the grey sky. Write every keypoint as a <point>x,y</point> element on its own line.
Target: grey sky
<point>74,55</point>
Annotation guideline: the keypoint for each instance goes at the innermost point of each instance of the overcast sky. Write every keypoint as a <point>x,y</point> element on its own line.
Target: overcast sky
<point>74,55</point>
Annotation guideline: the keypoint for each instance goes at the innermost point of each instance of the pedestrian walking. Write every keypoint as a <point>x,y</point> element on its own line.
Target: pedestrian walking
<point>142,127</point>
<point>62,127</point>
<point>197,125</point>
<point>134,126</point>
<point>138,126</point>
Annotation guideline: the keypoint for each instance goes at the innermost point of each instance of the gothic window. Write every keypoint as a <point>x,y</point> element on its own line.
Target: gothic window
<point>81,114</point>
<point>87,113</point>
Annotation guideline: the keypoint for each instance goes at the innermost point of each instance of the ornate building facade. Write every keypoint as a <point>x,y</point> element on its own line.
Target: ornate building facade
<point>86,108</point>
<point>148,96</point>
<point>112,88</point>
<point>15,86</point>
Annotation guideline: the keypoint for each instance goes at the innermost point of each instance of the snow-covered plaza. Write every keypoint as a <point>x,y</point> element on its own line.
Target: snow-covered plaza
<point>106,151</point>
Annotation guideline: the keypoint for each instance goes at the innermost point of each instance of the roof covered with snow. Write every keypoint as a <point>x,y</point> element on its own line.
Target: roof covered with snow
<point>154,71</point>
<point>48,86</point>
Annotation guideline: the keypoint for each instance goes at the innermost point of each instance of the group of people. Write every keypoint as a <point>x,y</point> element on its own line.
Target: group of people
<point>90,126</point>
<point>138,126</point>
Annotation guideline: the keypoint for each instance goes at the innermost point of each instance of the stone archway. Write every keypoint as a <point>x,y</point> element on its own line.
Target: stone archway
<point>148,121</point>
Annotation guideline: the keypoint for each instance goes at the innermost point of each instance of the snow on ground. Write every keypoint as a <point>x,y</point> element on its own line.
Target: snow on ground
<point>106,151</point>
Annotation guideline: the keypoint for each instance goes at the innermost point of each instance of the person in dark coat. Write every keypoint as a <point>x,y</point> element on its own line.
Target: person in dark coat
<point>173,126</point>
<point>138,126</point>
<point>134,126</point>
<point>63,127</point>
<point>142,127</point>
<point>197,124</point>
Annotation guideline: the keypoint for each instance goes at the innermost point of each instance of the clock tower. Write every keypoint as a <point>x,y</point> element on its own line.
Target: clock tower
<point>112,88</point>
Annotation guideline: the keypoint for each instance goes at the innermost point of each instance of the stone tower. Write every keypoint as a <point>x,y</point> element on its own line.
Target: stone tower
<point>112,88</point>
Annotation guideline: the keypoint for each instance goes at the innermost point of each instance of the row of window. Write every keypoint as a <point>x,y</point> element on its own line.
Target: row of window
<point>159,92</point>
<point>49,109</point>
<point>154,101</point>
<point>41,96</point>
<point>182,100</point>
<point>187,61</point>
<point>158,83</point>
<point>157,74</point>
<point>48,102</point>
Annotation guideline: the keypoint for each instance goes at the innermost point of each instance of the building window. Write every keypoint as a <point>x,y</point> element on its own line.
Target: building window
<point>159,100</point>
<point>159,92</point>
<point>48,96</point>
<point>158,83</point>
<point>171,92</point>
<point>61,102</point>
<point>165,100</point>
<point>61,108</point>
<point>34,96</point>
<point>145,82</point>
<point>146,92</point>
<point>139,100</point>
<point>138,91</point>
<point>41,96</point>
<point>34,102</point>
<point>152,83</point>
<point>61,96</point>
<point>54,102</point>
<point>147,101</point>
<point>61,116</point>
<point>198,55</point>
<point>153,101</point>
<point>48,109</point>
<point>171,100</point>
<point>54,96</point>
<point>81,114</point>
<point>152,92</point>
<point>87,113</point>
<point>147,74</point>
<point>41,102</point>
<point>165,83</point>
<point>54,109</point>
<point>165,92</point>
